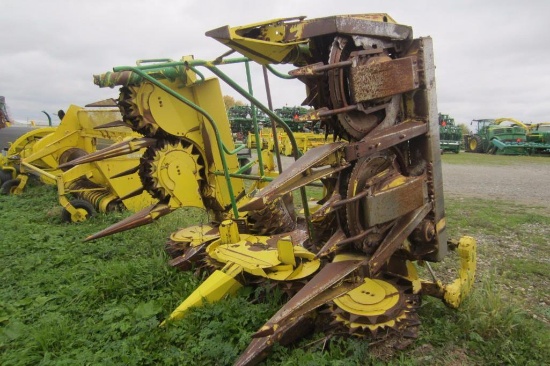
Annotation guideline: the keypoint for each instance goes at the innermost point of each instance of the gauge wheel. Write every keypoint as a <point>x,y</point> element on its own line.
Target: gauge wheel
<point>9,186</point>
<point>84,209</point>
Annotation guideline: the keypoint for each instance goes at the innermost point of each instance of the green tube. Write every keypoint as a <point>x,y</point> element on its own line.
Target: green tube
<point>181,98</point>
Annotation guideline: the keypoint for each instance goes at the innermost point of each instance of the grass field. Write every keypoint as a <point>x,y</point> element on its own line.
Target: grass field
<point>489,159</point>
<point>66,302</point>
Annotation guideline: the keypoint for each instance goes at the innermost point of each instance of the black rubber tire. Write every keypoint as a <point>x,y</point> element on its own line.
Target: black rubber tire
<point>466,142</point>
<point>478,148</point>
<point>4,176</point>
<point>9,185</point>
<point>78,203</point>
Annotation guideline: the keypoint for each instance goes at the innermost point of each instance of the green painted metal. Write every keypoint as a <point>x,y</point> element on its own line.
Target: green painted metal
<point>498,139</point>
<point>538,139</point>
<point>271,114</point>
<point>278,73</point>
<point>450,135</point>
<point>221,145</point>
<point>254,119</point>
<point>158,69</point>
<point>49,118</point>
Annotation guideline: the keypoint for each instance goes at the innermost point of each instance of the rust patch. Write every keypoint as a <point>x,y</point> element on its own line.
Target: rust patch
<point>383,139</point>
<point>383,79</point>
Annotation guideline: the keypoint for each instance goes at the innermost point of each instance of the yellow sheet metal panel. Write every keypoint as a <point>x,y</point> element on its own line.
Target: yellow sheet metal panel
<point>286,252</point>
<point>460,288</point>
<point>229,232</point>
<point>218,285</point>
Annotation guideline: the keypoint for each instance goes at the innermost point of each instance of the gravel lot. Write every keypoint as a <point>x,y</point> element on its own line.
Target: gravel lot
<point>527,184</point>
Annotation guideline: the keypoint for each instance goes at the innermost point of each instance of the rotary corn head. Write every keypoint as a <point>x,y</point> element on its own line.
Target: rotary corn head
<point>100,186</point>
<point>349,261</point>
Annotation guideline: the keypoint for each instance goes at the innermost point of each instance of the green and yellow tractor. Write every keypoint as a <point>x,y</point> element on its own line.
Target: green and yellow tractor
<point>450,135</point>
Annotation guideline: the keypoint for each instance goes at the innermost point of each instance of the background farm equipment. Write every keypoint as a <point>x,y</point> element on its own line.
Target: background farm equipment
<point>306,133</point>
<point>538,138</point>
<point>450,135</point>
<point>349,264</point>
<point>304,140</point>
<point>10,160</point>
<point>539,132</point>
<point>241,119</point>
<point>495,139</point>
<point>88,188</point>
<point>493,136</point>
<point>290,116</point>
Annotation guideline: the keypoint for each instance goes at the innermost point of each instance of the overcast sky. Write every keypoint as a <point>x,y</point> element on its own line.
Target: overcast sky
<point>492,56</point>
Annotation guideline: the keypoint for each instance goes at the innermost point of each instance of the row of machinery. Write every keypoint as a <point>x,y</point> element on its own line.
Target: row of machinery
<point>349,260</point>
<point>450,134</point>
<point>508,136</point>
<point>306,133</point>
<point>88,188</point>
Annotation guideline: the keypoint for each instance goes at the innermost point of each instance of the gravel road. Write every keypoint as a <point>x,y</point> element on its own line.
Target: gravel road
<point>527,184</point>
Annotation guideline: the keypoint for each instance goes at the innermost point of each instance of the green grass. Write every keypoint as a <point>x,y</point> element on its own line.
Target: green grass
<point>67,302</point>
<point>489,159</point>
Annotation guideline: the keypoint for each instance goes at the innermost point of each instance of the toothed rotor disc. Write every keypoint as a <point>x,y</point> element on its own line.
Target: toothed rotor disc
<point>379,308</point>
<point>133,105</point>
<point>162,165</point>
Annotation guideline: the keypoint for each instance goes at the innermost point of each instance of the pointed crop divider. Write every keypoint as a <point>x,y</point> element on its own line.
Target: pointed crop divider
<point>318,291</point>
<point>296,176</point>
<point>143,217</point>
<point>185,261</point>
<point>332,244</point>
<point>134,193</point>
<point>113,151</point>
<point>113,124</point>
<point>403,227</point>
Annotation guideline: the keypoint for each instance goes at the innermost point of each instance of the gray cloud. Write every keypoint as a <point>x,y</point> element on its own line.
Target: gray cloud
<point>490,56</point>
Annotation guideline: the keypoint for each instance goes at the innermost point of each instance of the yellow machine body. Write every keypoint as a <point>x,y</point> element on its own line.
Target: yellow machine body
<point>242,254</point>
<point>81,132</point>
<point>278,40</point>
<point>77,130</point>
<point>194,128</point>
<point>304,140</point>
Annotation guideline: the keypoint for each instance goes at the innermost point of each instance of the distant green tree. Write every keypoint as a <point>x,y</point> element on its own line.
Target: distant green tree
<point>229,102</point>
<point>464,128</point>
